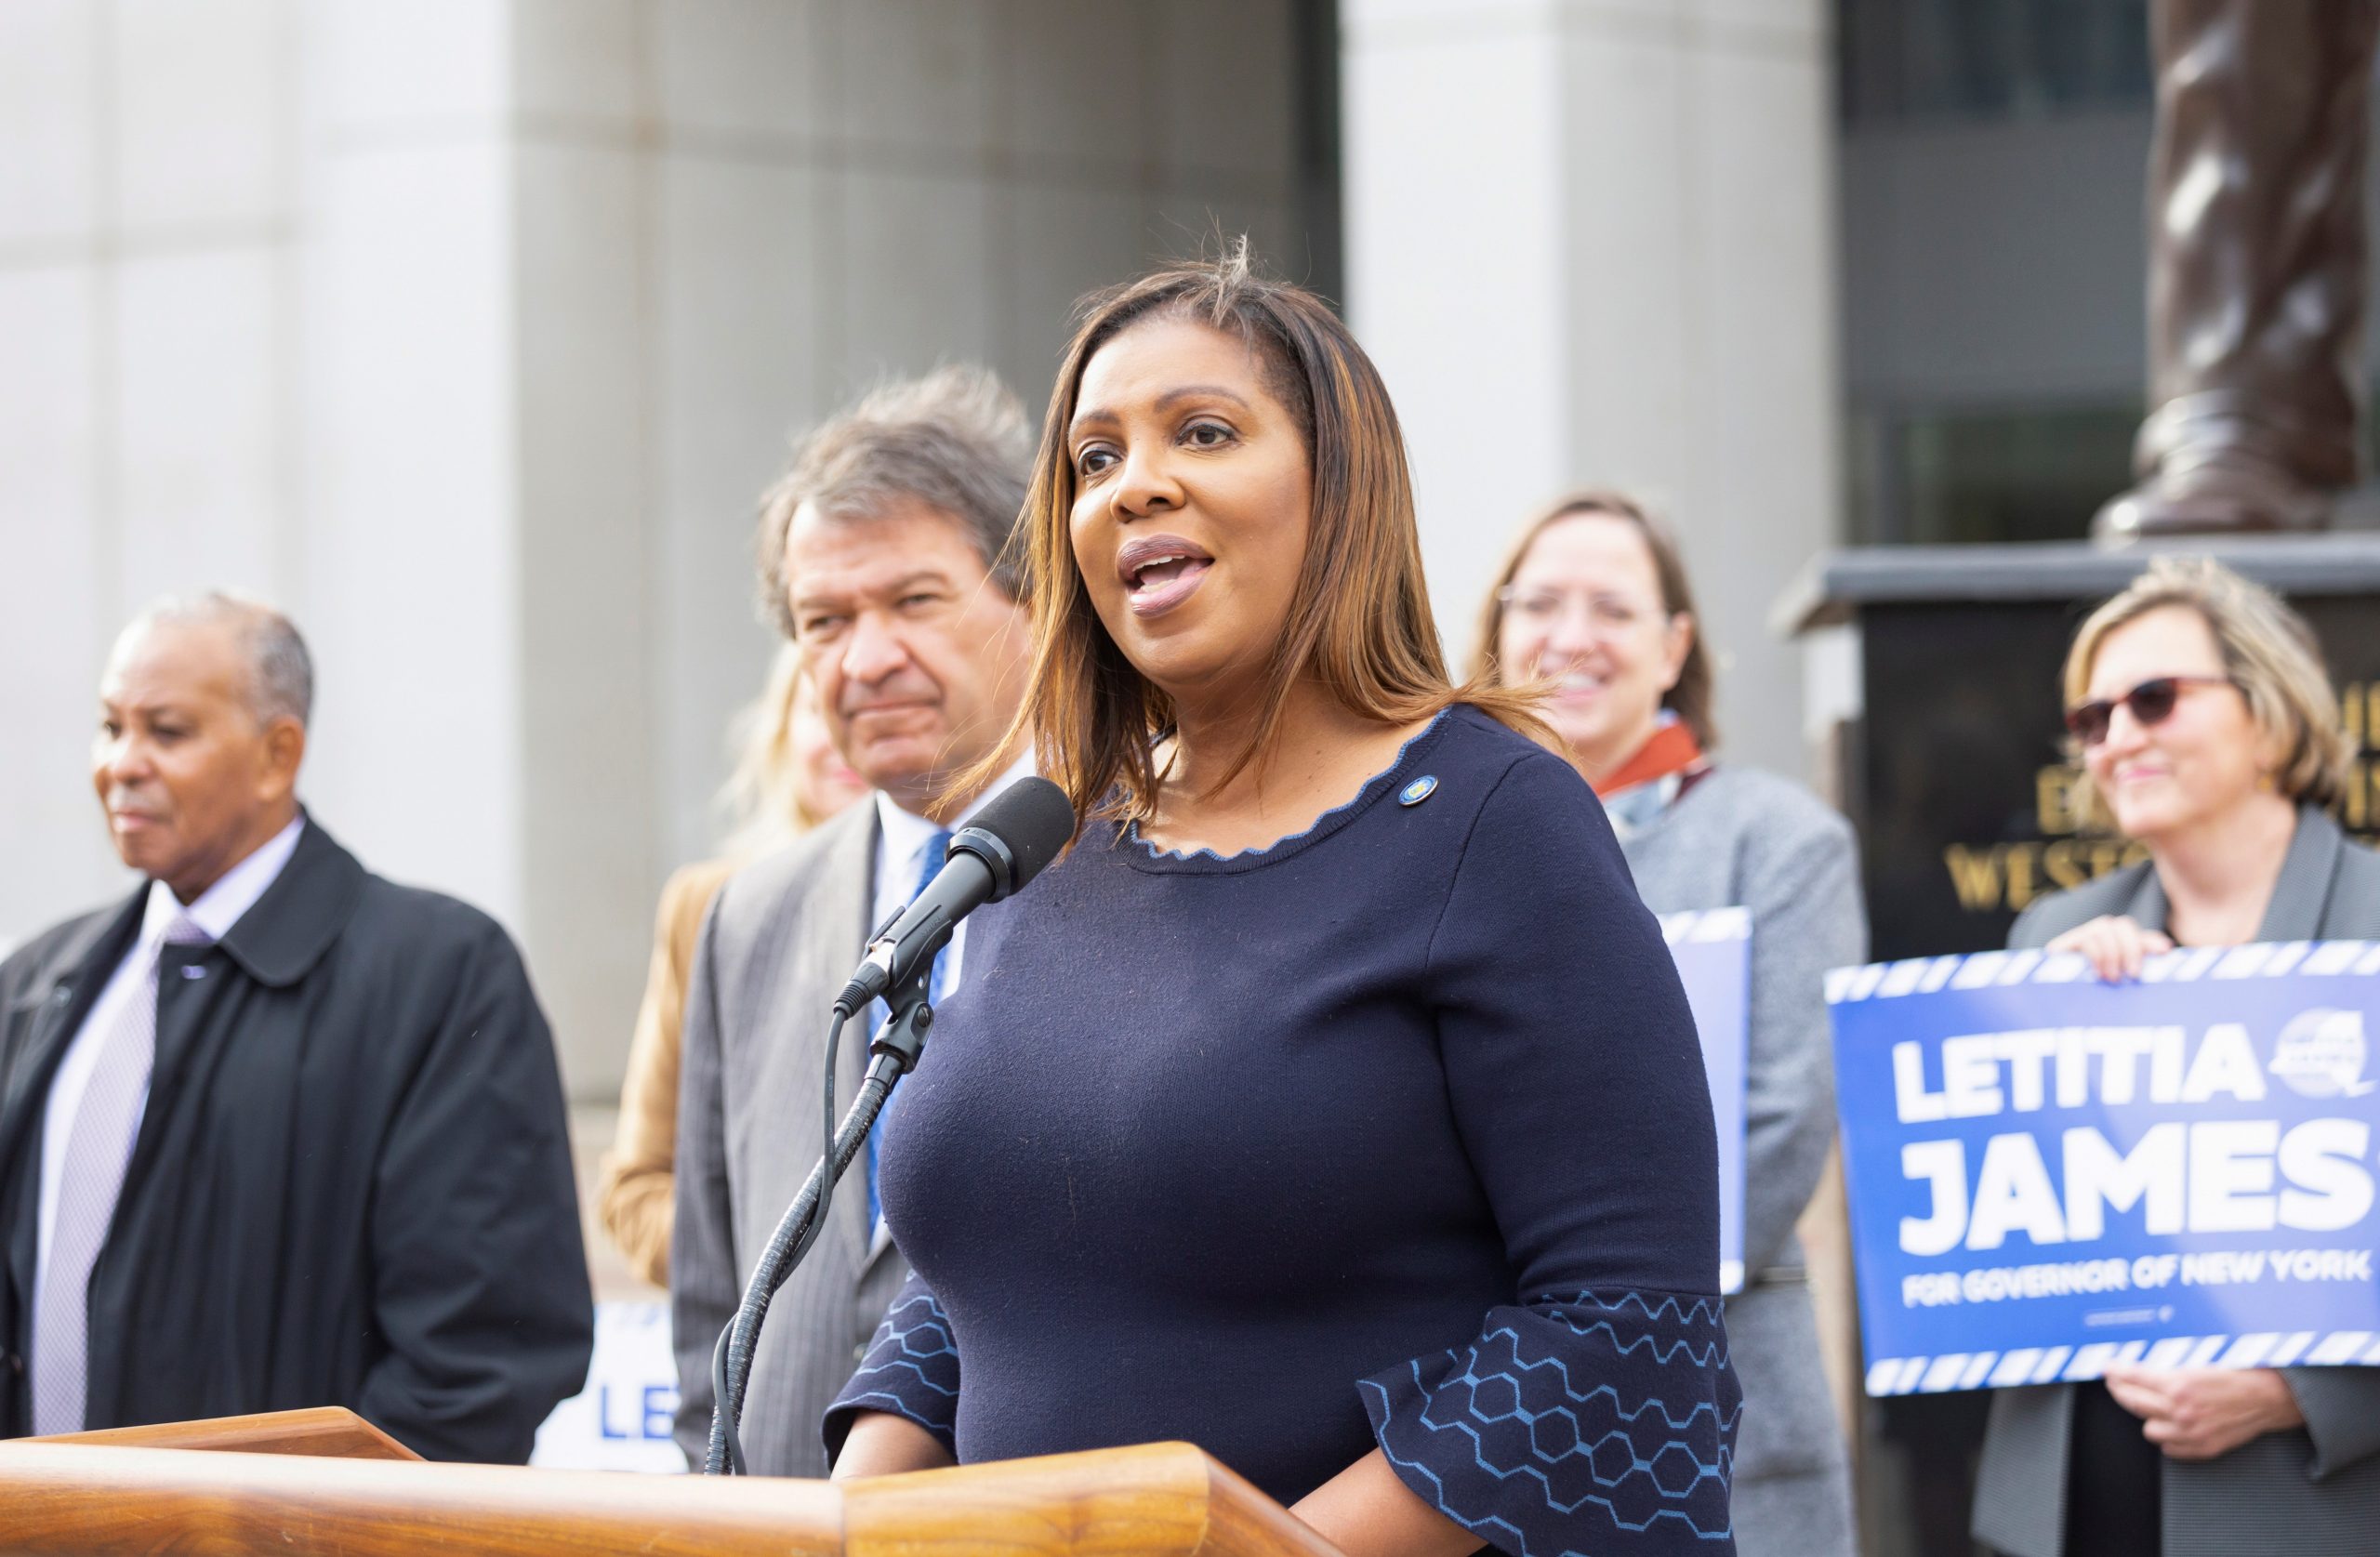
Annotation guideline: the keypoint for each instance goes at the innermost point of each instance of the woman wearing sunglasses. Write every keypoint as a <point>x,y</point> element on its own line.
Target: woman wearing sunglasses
<point>2198,705</point>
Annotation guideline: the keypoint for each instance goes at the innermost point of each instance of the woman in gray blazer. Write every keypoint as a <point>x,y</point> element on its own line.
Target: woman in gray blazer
<point>2199,707</point>
<point>1595,600</point>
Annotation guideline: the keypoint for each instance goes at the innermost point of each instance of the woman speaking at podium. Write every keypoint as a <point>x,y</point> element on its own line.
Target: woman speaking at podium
<point>1333,1105</point>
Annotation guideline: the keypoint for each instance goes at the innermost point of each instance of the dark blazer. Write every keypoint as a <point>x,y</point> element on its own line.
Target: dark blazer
<point>782,937</point>
<point>352,1181</point>
<point>2306,1492</point>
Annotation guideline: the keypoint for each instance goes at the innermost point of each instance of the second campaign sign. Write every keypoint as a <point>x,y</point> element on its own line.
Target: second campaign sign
<point>2049,1173</point>
<point>1712,949</point>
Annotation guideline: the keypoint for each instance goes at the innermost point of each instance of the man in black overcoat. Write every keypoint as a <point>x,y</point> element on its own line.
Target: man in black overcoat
<point>274,1132</point>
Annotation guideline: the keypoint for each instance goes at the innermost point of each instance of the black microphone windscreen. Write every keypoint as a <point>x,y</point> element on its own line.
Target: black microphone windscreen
<point>1031,817</point>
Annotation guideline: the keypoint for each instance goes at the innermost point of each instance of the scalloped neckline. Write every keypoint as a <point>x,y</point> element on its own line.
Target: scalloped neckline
<point>1370,790</point>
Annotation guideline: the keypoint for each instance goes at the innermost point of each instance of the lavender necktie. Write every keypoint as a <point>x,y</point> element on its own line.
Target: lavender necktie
<point>99,1146</point>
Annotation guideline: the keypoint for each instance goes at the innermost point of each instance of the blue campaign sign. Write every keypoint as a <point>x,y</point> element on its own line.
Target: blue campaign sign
<point>2049,1174</point>
<point>1712,949</point>
<point>621,1420</point>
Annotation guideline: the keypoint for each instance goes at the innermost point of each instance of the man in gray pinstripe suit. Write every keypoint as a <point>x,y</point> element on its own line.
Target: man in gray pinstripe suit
<point>882,556</point>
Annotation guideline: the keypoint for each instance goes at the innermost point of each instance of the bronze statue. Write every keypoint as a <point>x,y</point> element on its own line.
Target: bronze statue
<point>2257,267</point>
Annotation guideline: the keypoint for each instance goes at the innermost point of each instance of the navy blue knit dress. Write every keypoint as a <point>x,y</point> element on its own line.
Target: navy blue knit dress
<point>1394,1134</point>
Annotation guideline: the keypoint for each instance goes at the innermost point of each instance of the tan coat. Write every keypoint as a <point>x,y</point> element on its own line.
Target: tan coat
<point>637,1190</point>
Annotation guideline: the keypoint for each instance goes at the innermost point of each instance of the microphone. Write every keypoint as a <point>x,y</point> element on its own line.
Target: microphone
<point>1008,843</point>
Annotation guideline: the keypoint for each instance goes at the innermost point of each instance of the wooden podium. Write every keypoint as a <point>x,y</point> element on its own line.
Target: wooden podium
<point>327,1483</point>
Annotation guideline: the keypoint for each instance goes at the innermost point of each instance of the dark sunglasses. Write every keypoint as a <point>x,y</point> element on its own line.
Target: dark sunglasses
<point>2151,703</point>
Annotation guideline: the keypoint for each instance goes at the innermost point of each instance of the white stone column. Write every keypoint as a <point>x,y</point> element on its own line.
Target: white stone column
<point>409,573</point>
<point>1589,242</point>
<point>471,331</point>
<point>146,336</point>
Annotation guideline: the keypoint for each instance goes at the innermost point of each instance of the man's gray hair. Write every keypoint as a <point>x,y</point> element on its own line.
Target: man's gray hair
<point>955,440</point>
<point>280,673</point>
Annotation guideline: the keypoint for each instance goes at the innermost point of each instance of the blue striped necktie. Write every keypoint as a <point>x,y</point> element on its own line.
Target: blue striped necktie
<point>937,848</point>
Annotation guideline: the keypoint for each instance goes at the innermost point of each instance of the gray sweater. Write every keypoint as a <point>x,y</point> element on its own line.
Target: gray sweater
<point>1741,838</point>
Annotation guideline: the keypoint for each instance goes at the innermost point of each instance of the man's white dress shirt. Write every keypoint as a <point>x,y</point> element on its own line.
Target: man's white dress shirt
<point>216,910</point>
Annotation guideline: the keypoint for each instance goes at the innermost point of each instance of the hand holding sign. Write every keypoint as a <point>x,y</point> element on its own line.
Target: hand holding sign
<point>2116,947</point>
<point>2198,1413</point>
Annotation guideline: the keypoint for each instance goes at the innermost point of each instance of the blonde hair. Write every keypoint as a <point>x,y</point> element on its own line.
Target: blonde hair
<point>1358,619</point>
<point>2268,651</point>
<point>1693,695</point>
<point>765,799</point>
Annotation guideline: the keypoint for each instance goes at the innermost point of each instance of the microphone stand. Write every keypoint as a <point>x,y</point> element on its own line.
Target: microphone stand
<point>891,1054</point>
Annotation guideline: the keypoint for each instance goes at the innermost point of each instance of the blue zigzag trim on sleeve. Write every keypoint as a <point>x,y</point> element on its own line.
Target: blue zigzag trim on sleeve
<point>911,1368</point>
<point>1678,1306</point>
<point>1604,1423</point>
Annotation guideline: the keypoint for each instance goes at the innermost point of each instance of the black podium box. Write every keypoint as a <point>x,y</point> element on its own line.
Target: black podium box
<point>1952,768</point>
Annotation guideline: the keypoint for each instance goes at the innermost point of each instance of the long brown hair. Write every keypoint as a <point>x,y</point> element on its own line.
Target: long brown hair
<point>1359,618</point>
<point>1692,695</point>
